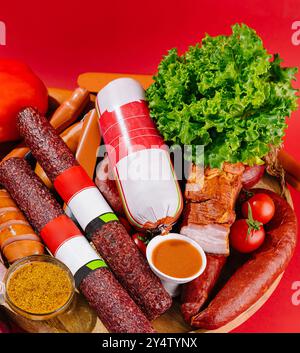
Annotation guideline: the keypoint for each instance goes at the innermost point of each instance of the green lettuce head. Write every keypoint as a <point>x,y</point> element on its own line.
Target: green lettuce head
<point>228,94</point>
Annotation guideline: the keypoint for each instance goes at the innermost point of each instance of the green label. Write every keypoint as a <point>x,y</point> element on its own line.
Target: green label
<point>108,217</point>
<point>93,265</point>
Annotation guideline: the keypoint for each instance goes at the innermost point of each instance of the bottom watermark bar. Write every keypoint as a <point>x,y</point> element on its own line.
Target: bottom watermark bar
<point>151,342</point>
<point>184,342</point>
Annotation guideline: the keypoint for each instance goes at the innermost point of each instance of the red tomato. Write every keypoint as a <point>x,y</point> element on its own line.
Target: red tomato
<point>141,242</point>
<point>19,88</point>
<point>244,238</point>
<point>262,207</point>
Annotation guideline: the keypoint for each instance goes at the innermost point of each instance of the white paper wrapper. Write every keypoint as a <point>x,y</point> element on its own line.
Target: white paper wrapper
<point>144,173</point>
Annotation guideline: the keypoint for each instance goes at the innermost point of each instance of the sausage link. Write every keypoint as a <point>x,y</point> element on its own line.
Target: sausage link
<point>88,142</point>
<point>17,238</point>
<point>19,151</point>
<point>70,110</point>
<point>195,293</point>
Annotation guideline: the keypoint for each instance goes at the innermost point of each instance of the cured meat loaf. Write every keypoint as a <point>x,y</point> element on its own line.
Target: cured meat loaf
<point>138,156</point>
<point>256,276</point>
<point>115,308</point>
<point>93,213</point>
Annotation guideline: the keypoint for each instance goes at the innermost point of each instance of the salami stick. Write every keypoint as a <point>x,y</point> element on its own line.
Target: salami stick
<point>71,138</point>
<point>113,305</point>
<point>93,213</point>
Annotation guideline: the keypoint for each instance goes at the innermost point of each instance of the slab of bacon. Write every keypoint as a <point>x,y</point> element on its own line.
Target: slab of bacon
<point>209,211</point>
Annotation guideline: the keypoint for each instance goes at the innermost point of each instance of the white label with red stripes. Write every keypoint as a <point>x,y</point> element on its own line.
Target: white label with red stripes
<point>81,195</point>
<point>64,240</point>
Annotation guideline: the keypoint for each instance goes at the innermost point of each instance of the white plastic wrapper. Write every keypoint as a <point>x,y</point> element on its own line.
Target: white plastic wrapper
<point>140,160</point>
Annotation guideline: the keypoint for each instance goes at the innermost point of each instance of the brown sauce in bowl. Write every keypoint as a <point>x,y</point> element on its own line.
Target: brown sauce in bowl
<point>176,258</point>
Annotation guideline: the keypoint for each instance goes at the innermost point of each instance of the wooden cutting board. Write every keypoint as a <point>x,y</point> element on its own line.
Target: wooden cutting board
<point>82,318</point>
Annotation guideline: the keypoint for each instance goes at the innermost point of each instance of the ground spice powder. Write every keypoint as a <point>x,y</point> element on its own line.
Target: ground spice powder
<point>39,287</point>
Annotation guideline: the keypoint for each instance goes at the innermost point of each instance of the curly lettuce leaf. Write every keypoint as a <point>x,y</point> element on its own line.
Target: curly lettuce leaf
<point>228,94</point>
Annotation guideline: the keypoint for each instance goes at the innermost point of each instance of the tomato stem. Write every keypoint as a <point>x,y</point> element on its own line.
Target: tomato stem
<point>252,224</point>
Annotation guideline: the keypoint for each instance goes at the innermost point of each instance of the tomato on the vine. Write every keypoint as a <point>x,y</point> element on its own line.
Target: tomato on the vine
<point>262,207</point>
<point>245,238</point>
<point>247,235</point>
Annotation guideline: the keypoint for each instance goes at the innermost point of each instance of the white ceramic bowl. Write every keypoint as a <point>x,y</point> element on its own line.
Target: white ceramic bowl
<point>170,283</point>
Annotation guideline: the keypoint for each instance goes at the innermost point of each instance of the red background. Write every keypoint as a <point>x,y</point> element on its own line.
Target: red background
<point>61,39</point>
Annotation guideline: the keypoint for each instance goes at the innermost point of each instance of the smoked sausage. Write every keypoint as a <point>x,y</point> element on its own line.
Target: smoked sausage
<point>195,293</point>
<point>256,276</point>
